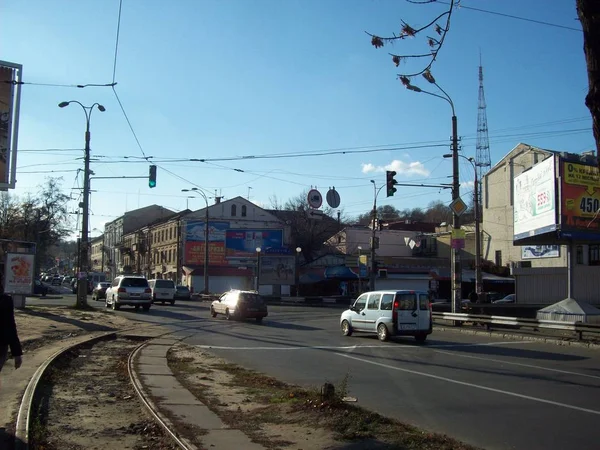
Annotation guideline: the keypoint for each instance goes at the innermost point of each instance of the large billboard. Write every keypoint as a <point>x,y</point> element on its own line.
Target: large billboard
<point>227,246</point>
<point>580,198</point>
<point>10,97</point>
<point>535,200</point>
<point>277,270</point>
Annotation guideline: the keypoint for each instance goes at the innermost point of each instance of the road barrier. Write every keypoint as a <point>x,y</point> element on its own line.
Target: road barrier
<point>577,327</point>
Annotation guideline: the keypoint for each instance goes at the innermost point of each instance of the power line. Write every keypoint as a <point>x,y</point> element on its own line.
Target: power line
<point>129,123</point>
<point>117,41</point>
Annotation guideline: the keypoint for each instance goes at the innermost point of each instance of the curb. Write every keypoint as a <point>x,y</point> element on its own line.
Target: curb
<point>520,337</point>
<point>24,415</point>
<point>163,421</point>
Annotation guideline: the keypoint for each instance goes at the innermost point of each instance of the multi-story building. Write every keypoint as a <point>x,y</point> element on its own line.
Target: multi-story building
<point>114,231</point>
<point>97,254</point>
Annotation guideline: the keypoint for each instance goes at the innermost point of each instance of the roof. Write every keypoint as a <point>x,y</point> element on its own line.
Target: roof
<point>570,306</point>
<point>519,148</point>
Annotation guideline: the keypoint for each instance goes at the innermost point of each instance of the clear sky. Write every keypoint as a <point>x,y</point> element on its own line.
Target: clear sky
<point>233,78</point>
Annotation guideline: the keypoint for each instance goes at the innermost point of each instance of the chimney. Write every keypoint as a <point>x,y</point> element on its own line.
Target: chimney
<point>217,200</point>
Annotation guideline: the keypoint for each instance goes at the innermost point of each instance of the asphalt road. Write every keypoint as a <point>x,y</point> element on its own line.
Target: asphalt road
<point>491,393</point>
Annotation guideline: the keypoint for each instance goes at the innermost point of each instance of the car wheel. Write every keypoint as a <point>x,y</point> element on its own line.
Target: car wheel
<point>382,332</point>
<point>137,307</point>
<point>162,303</point>
<point>153,298</point>
<point>212,312</point>
<point>106,302</point>
<point>115,307</point>
<point>259,319</point>
<point>227,315</point>
<point>172,302</point>
<point>147,307</point>
<point>420,338</point>
<point>346,328</point>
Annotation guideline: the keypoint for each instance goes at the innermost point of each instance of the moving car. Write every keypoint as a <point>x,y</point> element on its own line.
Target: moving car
<point>162,291</point>
<point>182,293</point>
<point>56,280</point>
<point>240,305</point>
<point>511,298</point>
<point>99,291</point>
<point>390,313</point>
<point>129,290</point>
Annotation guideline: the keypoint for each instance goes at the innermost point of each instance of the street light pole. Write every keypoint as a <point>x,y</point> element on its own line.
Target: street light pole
<point>298,250</point>
<point>82,284</point>
<point>206,259</point>
<point>373,274</point>
<point>478,273</point>
<point>258,250</point>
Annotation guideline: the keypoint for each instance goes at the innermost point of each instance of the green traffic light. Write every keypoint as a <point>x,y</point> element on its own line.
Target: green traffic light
<point>152,177</point>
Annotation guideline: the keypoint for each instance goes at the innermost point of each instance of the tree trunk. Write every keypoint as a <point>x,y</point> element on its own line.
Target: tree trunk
<point>589,16</point>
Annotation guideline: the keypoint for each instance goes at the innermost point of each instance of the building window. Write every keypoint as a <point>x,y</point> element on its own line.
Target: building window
<point>233,210</point>
<point>594,255</point>
<point>170,233</point>
<point>169,260</point>
<point>162,235</point>
<point>579,254</point>
<point>243,210</point>
<point>499,258</point>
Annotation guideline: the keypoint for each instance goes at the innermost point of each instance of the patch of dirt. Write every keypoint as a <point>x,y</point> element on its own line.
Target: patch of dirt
<point>86,401</point>
<point>39,326</point>
<point>281,416</point>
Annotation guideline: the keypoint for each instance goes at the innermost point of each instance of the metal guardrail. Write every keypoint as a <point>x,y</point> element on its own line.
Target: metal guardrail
<point>577,327</point>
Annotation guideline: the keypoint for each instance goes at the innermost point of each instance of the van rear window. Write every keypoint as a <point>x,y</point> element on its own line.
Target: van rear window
<point>407,301</point>
<point>168,284</point>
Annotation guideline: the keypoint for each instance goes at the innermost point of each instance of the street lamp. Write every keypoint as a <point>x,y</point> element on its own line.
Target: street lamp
<point>456,268</point>
<point>478,274</point>
<point>206,259</point>
<point>82,284</point>
<point>374,243</point>
<point>258,250</point>
<point>359,271</point>
<point>298,250</point>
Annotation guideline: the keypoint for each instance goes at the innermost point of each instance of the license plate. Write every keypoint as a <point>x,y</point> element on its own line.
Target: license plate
<point>408,327</point>
<point>164,294</point>
<point>134,295</point>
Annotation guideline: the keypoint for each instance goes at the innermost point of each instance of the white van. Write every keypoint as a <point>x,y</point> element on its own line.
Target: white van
<point>163,291</point>
<point>390,313</point>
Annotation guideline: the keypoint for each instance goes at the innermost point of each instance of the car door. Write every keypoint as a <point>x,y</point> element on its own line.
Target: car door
<point>371,312</point>
<point>358,313</point>
<point>407,310</point>
<point>220,305</point>
<point>424,318</point>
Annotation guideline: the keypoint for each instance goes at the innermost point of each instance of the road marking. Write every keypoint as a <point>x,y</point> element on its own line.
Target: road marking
<point>476,386</point>
<point>533,366</point>
<point>349,347</point>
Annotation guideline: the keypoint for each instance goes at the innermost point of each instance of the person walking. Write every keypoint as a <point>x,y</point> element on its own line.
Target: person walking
<point>9,338</point>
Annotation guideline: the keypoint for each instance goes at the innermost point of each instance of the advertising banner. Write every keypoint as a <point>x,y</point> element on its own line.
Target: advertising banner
<point>18,273</point>
<point>277,270</point>
<point>540,251</point>
<point>243,243</point>
<point>534,200</point>
<point>580,198</point>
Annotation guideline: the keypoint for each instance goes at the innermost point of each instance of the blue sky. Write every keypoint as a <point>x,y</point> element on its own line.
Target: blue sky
<point>218,79</point>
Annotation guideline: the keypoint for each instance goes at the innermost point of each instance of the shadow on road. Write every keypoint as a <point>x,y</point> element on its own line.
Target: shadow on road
<point>8,440</point>
<point>87,325</point>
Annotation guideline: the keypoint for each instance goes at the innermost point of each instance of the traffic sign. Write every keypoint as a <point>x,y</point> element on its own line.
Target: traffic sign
<point>333,198</point>
<point>315,199</point>
<point>458,207</point>
<point>315,214</point>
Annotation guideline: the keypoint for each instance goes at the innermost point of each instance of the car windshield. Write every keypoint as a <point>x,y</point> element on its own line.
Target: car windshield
<point>250,298</point>
<point>134,282</point>
<point>164,284</point>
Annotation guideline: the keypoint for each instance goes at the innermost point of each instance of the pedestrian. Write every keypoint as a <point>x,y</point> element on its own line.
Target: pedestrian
<point>9,337</point>
<point>473,297</point>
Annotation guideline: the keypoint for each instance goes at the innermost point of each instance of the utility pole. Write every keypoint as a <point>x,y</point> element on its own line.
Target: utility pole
<point>455,255</point>
<point>374,241</point>
<point>478,274</point>
<point>82,282</point>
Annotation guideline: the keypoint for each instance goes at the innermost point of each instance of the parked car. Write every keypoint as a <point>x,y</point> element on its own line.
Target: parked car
<point>99,291</point>
<point>162,291</point>
<point>390,313</point>
<point>56,281</point>
<point>39,288</point>
<point>240,305</point>
<point>182,293</point>
<point>129,290</point>
<point>511,298</point>
<point>66,279</point>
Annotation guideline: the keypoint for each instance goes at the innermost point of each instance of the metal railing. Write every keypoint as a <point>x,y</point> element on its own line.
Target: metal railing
<point>536,324</point>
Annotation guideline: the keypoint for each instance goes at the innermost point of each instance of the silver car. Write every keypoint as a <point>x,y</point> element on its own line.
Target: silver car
<point>129,290</point>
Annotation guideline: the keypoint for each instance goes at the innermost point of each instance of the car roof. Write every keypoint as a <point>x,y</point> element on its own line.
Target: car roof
<point>398,291</point>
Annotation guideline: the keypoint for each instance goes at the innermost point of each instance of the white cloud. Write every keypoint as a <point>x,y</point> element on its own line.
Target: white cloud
<point>467,184</point>
<point>401,167</point>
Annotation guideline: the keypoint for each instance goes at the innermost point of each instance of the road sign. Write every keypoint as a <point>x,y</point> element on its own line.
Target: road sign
<point>333,198</point>
<point>314,214</point>
<point>315,199</point>
<point>458,207</point>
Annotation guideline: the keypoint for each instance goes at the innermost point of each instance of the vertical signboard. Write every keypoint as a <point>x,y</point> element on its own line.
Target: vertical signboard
<point>18,273</point>
<point>10,96</point>
<point>580,198</point>
<point>535,200</point>
<point>277,270</point>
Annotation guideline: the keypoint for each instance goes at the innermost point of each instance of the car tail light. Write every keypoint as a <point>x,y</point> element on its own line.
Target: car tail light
<point>395,311</point>
<point>122,290</point>
<point>148,291</point>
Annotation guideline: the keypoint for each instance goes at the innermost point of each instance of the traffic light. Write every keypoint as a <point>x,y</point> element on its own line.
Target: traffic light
<point>390,182</point>
<point>152,177</point>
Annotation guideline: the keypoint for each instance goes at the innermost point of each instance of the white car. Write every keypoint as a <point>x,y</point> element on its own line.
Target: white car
<point>390,313</point>
<point>129,290</point>
<point>511,298</point>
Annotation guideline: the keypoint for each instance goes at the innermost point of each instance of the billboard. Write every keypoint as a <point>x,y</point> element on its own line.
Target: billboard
<point>277,270</point>
<point>10,97</point>
<point>540,251</point>
<point>580,198</point>
<point>18,273</point>
<point>227,246</point>
<point>535,200</point>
